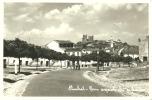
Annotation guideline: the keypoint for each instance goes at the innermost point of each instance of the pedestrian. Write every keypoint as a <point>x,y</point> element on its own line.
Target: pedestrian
<point>15,63</point>
<point>77,66</point>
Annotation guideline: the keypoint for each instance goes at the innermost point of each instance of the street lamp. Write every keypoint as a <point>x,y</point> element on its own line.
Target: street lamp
<point>97,62</point>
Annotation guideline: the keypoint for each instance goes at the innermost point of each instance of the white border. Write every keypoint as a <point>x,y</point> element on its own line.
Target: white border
<point>75,1</point>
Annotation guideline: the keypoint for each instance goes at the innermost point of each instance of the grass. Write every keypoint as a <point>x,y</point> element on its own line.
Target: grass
<point>129,74</point>
<point>127,77</point>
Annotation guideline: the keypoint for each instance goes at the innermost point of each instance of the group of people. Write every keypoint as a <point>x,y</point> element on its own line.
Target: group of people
<point>75,66</point>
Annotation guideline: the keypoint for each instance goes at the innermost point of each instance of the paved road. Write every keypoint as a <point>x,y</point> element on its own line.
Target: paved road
<point>57,83</point>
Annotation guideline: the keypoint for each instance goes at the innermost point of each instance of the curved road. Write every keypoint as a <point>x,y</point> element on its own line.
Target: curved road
<point>64,82</point>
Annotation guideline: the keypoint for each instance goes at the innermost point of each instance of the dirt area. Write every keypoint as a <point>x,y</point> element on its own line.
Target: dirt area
<point>14,85</point>
<point>128,81</point>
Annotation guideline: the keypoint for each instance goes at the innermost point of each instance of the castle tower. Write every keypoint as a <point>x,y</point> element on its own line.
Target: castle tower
<point>84,39</point>
<point>91,38</point>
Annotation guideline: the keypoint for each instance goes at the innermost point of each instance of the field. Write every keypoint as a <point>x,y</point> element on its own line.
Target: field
<point>132,81</point>
<point>129,74</point>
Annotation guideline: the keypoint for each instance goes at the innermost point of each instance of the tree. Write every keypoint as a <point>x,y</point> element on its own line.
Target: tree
<point>60,58</point>
<point>34,53</point>
<point>118,59</point>
<point>104,57</point>
<point>85,58</point>
<point>73,58</point>
<point>19,49</point>
<point>49,55</point>
<point>128,60</point>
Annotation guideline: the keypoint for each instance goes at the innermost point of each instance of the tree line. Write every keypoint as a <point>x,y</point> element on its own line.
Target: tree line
<point>18,48</point>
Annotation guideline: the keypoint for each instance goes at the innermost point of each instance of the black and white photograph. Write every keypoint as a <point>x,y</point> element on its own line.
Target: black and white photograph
<point>53,49</point>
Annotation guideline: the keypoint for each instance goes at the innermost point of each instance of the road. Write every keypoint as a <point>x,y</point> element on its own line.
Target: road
<point>65,82</point>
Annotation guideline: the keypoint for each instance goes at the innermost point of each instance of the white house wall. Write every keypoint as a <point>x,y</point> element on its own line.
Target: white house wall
<point>10,60</point>
<point>132,55</point>
<point>55,46</point>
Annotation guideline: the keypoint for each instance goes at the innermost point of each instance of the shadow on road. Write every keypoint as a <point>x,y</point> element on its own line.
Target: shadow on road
<point>135,80</point>
<point>25,73</point>
<point>9,80</point>
<point>37,73</point>
<point>42,70</point>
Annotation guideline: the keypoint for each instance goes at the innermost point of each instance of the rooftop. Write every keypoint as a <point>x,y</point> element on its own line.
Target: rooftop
<point>72,49</point>
<point>64,41</point>
<point>91,49</point>
<point>131,50</point>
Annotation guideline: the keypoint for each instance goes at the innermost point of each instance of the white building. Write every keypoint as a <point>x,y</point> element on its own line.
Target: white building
<point>73,51</point>
<point>131,50</point>
<point>24,61</point>
<point>60,45</point>
<point>89,50</point>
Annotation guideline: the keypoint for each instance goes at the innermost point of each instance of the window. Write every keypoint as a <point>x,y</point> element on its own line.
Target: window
<point>77,53</point>
<point>26,63</point>
<point>41,63</point>
<point>144,58</point>
<point>47,63</point>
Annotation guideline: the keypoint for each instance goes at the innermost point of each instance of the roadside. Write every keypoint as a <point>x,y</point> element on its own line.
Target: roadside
<point>128,81</point>
<point>14,85</point>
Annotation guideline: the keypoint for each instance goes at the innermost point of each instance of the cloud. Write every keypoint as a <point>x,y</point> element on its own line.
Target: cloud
<point>51,33</point>
<point>64,28</point>
<point>52,14</point>
<point>66,14</point>
<point>29,20</point>
<point>28,9</point>
<point>35,31</point>
<point>98,19</point>
<point>21,17</point>
<point>120,24</point>
<point>7,33</point>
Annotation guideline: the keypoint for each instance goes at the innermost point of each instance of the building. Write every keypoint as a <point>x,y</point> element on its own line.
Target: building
<point>89,50</point>
<point>24,61</point>
<point>87,38</point>
<point>64,46</point>
<point>60,45</point>
<point>90,39</point>
<point>130,50</point>
<point>73,51</point>
<point>144,49</point>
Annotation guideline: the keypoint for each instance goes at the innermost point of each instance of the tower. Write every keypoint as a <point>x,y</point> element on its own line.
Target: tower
<point>111,42</point>
<point>84,39</point>
<point>90,38</point>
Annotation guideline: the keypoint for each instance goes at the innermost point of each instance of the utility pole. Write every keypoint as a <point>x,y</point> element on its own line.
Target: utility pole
<point>97,62</point>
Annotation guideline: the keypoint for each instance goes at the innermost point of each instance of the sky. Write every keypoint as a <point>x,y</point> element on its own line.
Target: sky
<point>40,23</point>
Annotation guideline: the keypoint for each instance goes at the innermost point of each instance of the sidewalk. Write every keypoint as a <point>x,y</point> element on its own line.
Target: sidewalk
<point>14,85</point>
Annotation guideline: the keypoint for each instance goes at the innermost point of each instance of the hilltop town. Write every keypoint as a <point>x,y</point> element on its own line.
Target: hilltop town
<point>89,53</point>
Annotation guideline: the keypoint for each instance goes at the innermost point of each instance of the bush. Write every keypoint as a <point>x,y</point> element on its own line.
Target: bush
<point>95,64</point>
